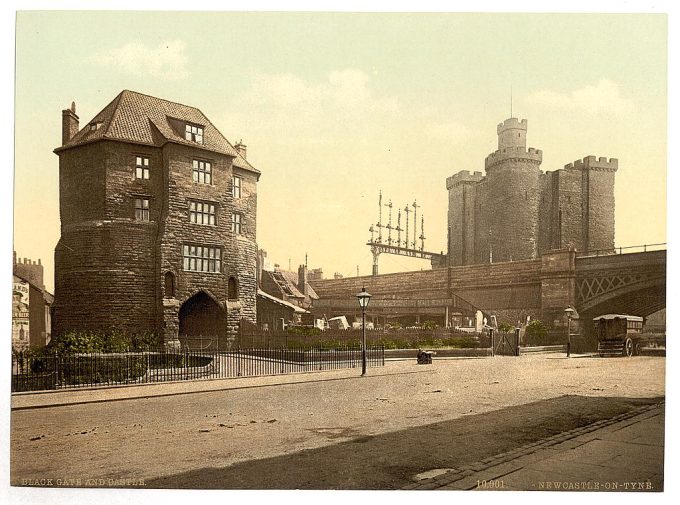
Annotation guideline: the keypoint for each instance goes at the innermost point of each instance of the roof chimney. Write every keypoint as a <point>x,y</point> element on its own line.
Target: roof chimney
<point>302,279</point>
<point>241,148</point>
<point>69,124</point>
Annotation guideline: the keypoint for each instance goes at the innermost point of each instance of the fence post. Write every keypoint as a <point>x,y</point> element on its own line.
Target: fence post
<point>186,363</point>
<point>56,369</point>
<point>493,350</point>
<point>516,341</point>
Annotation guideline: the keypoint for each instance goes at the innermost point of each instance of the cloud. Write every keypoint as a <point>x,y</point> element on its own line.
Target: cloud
<point>167,61</point>
<point>604,98</point>
<point>343,106</point>
<point>341,89</point>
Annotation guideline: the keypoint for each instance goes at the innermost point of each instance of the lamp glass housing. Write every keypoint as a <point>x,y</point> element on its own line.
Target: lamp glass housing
<point>363,298</point>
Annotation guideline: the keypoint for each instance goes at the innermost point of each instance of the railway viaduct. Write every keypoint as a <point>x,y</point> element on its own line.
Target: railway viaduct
<point>592,283</point>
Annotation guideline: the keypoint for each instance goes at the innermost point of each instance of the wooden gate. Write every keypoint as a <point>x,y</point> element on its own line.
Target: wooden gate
<point>505,344</point>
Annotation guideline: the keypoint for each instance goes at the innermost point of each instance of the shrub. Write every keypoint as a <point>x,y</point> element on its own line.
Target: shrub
<point>505,327</point>
<point>465,342</point>
<point>73,342</point>
<point>93,370</point>
<point>536,333</point>
<point>303,331</point>
<point>429,325</point>
<point>323,344</point>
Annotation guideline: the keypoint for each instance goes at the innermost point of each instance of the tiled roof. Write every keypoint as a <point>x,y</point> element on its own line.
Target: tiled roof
<point>283,303</point>
<point>139,118</point>
<point>292,280</point>
<point>287,284</point>
<point>241,162</point>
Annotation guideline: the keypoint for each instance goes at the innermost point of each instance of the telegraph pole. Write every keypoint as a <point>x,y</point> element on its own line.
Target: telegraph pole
<point>415,223</point>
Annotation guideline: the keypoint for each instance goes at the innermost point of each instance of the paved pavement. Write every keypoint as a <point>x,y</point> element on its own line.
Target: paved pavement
<point>625,453</point>
<point>82,395</point>
<point>77,396</point>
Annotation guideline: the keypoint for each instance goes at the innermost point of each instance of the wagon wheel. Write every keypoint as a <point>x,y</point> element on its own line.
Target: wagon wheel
<point>638,348</point>
<point>628,347</point>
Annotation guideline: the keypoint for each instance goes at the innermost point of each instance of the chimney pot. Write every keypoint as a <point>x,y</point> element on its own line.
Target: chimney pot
<point>69,124</point>
<point>241,148</point>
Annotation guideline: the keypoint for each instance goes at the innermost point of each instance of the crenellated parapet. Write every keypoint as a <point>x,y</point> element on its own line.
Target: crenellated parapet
<point>594,163</point>
<point>463,177</point>
<point>511,124</point>
<point>513,153</point>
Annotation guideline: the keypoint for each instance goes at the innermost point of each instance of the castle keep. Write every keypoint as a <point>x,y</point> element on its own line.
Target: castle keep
<point>517,212</point>
<point>158,215</point>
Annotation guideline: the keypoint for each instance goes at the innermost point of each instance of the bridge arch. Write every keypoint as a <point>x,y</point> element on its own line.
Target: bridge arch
<point>639,298</point>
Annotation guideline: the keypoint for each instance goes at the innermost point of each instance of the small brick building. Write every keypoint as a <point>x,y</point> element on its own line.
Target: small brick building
<point>517,212</point>
<point>158,214</point>
<point>284,297</point>
<point>31,306</point>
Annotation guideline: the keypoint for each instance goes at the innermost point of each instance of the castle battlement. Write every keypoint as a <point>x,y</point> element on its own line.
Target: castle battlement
<point>511,124</point>
<point>513,153</point>
<point>463,177</point>
<point>594,163</point>
<point>518,212</point>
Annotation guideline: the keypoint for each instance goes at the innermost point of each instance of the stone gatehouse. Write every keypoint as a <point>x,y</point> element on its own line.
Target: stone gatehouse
<point>158,214</point>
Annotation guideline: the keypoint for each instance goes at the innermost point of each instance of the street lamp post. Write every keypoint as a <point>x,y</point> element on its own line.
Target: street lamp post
<point>570,312</point>
<point>363,298</point>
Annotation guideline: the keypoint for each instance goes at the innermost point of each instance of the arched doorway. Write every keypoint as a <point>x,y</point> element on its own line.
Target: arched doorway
<point>201,318</point>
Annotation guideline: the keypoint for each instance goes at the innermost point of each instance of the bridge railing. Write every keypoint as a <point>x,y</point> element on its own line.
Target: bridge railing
<point>623,250</point>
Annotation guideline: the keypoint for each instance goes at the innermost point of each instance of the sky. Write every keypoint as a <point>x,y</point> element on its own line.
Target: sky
<point>336,107</point>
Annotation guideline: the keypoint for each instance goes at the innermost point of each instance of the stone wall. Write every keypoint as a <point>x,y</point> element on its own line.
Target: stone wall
<point>484,210</point>
<point>239,252</point>
<point>512,285</point>
<point>547,212</point>
<point>110,268</point>
<point>104,277</point>
<point>513,193</point>
<point>568,200</point>
<point>598,183</point>
<point>461,217</point>
<point>82,184</point>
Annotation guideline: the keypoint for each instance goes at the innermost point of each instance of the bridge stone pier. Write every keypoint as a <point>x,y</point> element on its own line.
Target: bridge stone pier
<point>632,283</point>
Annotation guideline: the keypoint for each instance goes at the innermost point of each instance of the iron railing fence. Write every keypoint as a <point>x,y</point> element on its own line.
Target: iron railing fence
<point>404,338</point>
<point>63,371</point>
<point>623,250</point>
<point>209,343</point>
